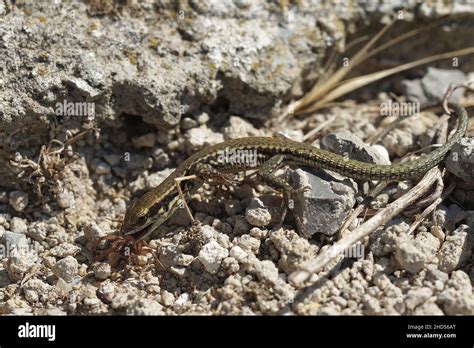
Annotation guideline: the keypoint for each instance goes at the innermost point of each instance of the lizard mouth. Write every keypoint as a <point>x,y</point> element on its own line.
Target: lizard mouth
<point>137,233</point>
<point>140,234</point>
<point>143,232</point>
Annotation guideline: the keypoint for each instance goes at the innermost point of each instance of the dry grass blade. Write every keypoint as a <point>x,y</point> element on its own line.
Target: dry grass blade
<point>316,130</point>
<point>403,37</point>
<point>322,93</point>
<point>357,82</point>
<point>319,90</point>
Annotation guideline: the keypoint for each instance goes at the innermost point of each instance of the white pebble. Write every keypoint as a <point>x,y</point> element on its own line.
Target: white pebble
<point>211,256</point>
<point>66,268</point>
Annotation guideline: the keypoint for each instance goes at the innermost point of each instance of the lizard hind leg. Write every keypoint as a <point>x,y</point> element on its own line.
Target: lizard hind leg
<point>213,176</point>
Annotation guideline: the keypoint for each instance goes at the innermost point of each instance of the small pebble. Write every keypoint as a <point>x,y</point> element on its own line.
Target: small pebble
<point>203,118</point>
<point>65,199</point>
<point>167,298</point>
<point>211,256</point>
<point>91,302</point>
<point>142,260</point>
<point>102,270</point>
<point>18,225</point>
<point>3,196</point>
<point>65,249</point>
<point>188,123</point>
<point>257,214</point>
<point>147,140</point>
<point>100,167</point>
<point>18,200</point>
<point>93,232</point>
<point>67,269</point>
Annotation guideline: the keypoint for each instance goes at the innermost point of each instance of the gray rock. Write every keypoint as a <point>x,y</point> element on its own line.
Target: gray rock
<point>434,274</point>
<point>179,272</point>
<point>230,265</point>
<point>53,312</point>
<point>433,85</point>
<point>293,249</point>
<point>384,241</point>
<point>82,86</point>
<point>182,301</point>
<point>323,207</point>
<point>460,160</point>
<point>380,201</point>
<point>436,81</point>
<point>428,308</point>
<point>153,180</point>
<point>414,91</point>
<point>91,302</point>
<point>188,123</point>
<point>208,233</point>
<point>245,55</point>
<point>237,127</point>
<point>167,298</point>
<point>184,260</point>
<point>161,159</point>
<point>350,146</point>
<point>63,287</point>
<point>238,253</point>
<point>15,240</point>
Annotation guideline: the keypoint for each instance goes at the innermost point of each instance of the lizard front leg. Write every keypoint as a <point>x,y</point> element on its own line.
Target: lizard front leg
<point>266,173</point>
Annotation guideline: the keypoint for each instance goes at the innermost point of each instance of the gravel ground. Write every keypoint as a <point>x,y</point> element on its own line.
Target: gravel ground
<point>163,87</point>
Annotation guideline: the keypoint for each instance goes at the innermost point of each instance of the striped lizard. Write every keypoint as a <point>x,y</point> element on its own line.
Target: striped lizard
<point>154,207</point>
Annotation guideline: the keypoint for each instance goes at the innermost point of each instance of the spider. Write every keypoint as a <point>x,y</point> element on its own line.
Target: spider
<point>125,246</point>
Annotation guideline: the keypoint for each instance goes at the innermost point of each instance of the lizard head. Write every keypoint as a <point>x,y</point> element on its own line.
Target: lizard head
<point>136,219</point>
<point>148,212</point>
